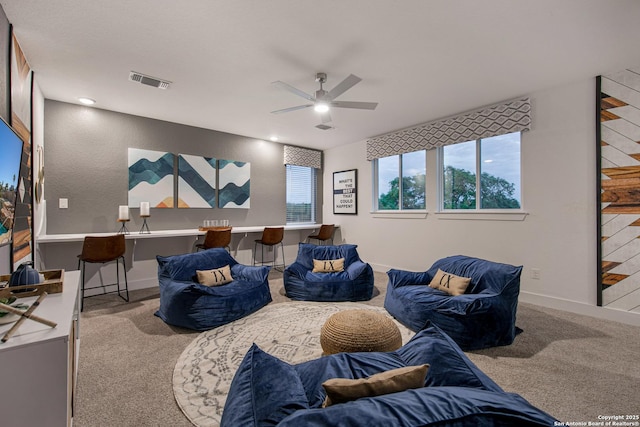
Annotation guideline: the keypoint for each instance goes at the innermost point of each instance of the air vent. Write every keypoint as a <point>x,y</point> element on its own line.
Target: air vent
<point>323,127</point>
<point>148,80</point>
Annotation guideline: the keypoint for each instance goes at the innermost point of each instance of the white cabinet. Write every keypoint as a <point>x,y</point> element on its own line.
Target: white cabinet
<point>38,363</point>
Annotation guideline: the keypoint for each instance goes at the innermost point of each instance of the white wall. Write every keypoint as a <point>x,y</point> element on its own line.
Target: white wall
<point>558,236</point>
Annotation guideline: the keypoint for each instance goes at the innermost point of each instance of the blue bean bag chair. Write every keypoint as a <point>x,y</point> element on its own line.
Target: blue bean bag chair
<point>266,391</point>
<point>354,283</point>
<point>484,316</point>
<point>186,303</point>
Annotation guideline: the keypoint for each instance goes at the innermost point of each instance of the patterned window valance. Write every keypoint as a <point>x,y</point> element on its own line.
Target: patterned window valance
<point>302,157</point>
<point>512,116</point>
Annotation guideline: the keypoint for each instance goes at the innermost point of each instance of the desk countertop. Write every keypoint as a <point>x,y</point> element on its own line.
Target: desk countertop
<point>134,235</point>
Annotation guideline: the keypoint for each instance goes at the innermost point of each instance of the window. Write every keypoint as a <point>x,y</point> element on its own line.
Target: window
<point>301,194</point>
<point>407,193</point>
<point>496,186</point>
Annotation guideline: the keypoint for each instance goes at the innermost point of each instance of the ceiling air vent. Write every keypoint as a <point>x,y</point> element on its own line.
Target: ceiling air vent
<point>148,80</point>
<point>324,127</point>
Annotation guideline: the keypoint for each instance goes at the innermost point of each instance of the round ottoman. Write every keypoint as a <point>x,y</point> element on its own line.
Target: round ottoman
<point>359,330</point>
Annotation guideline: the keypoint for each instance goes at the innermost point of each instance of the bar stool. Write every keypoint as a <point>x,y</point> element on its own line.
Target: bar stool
<point>325,233</point>
<point>102,250</point>
<point>271,236</point>
<point>216,238</point>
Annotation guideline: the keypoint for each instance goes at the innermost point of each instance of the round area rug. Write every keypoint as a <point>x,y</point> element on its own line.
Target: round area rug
<point>289,331</point>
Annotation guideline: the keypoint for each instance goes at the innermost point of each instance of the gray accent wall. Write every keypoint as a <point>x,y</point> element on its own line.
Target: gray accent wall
<point>86,162</point>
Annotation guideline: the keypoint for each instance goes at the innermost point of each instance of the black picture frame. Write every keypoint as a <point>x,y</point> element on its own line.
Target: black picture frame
<point>345,192</point>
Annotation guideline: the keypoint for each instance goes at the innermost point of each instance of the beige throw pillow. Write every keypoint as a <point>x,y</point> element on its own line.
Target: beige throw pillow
<point>215,277</point>
<point>328,265</point>
<point>450,283</point>
<point>340,390</point>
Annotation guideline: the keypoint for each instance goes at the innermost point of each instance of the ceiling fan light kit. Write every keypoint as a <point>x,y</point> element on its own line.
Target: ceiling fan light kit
<point>323,100</point>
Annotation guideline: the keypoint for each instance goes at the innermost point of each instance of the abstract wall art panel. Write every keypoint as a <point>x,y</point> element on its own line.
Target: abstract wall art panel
<point>196,181</point>
<point>618,142</point>
<point>150,178</point>
<point>234,184</point>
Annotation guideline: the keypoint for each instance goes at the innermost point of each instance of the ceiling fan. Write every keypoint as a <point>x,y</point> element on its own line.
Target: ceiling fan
<point>323,100</point>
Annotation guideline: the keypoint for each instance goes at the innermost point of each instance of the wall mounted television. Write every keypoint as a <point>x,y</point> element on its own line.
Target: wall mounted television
<point>10,159</point>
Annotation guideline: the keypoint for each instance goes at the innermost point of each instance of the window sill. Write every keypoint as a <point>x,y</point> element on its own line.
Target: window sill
<point>417,214</point>
<point>483,216</point>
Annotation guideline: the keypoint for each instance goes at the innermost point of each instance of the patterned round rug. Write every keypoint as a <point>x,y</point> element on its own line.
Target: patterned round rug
<point>289,331</point>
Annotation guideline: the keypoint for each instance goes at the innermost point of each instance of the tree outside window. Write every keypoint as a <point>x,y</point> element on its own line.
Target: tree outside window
<point>498,184</point>
<point>407,193</point>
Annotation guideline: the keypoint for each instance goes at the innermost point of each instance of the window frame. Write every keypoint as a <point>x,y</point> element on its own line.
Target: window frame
<point>376,188</point>
<point>313,191</point>
<point>478,212</point>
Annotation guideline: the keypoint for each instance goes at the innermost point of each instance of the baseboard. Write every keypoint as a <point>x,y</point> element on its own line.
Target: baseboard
<point>628,317</point>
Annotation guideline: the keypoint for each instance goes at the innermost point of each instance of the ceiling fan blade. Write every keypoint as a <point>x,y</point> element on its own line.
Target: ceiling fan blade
<point>344,86</point>
<point>293,90</point>
<point>325,117</point>
<point>286,110</point>
<point>354,104</point>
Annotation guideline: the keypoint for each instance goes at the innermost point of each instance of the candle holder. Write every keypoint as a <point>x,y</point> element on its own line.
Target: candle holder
<point>123,229</point>
<point>145,226</point>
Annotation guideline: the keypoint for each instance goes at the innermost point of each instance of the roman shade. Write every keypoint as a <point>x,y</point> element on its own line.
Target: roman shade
<point>507,117</point>
<point>298,156</point>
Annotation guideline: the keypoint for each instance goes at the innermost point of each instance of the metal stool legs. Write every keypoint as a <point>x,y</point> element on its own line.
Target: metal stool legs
<point>122,293</point>
<point>275,255</point>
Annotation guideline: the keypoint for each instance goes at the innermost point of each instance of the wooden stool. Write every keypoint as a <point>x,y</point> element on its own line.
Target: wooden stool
<point>359,330</point>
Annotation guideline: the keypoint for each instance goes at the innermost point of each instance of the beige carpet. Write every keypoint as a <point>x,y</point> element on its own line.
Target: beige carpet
<point>574,367</point>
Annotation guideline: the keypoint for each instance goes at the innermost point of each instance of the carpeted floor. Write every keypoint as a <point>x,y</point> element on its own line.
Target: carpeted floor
<point>574,367</point>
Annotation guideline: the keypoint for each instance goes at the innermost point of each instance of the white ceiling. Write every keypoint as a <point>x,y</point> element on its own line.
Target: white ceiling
<point>419,59</point>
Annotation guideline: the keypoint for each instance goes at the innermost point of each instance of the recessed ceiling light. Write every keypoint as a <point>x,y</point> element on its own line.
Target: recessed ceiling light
<point>274,138</point>
<point>87,101</point>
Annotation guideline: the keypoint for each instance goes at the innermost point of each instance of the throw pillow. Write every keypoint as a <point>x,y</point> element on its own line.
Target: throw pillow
<point>328,265</point>
<point>450,283</point>
<point>215,277</point>
<point>340,390</point>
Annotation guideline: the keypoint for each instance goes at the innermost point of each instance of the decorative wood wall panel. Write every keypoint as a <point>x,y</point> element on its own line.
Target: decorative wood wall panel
<point>21,88</point>
<point>619,146</point>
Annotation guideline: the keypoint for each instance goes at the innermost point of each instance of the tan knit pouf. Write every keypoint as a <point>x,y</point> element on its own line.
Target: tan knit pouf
<point>359,330</point>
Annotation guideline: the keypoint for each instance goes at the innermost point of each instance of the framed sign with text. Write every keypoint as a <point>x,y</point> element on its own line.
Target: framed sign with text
<point>345,194</point>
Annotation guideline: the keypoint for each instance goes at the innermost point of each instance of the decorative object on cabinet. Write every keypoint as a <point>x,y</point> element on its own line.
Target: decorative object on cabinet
<point>196,181</point>
<point>51,282</point>
<point>26,315</point>
<point>345,192</point>
<point>150,178</point>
